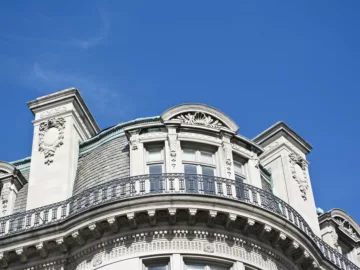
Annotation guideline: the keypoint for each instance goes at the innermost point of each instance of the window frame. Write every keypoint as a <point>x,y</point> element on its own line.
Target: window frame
<point>207,262</point>
<point>151,262</point>
<point>197,162</point>
<point>151,148</point>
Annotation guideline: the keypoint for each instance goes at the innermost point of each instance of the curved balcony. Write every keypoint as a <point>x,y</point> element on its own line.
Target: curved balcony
<point>148,185</point>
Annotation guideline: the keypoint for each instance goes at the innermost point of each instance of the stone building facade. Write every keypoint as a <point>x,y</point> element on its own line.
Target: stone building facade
<point>180,191</point>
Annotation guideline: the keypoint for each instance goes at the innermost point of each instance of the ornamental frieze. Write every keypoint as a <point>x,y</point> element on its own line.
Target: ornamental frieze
<point>51,137</point>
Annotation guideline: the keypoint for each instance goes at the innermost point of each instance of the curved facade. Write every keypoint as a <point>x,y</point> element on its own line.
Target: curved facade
<point>183,190</point>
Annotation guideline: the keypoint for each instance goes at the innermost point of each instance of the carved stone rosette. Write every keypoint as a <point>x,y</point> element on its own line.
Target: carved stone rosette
<point>49,148</point>
<point>296,159</point>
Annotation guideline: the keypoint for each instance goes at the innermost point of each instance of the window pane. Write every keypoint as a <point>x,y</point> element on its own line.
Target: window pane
<point>155,169</point>
<point>207,171</point>
<point>190,169</point>
<point>238,167</point>
<point>218,268</point>
<point>191,179</point>
<point>154,155</point>
<point>206,158</point>
<point>195,267</point>
<point>157,267</point>
<point>189,155</point>
<point>208,185</point>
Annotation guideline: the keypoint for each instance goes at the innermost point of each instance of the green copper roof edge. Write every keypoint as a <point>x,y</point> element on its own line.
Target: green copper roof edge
<point>108,132</point>
<point>21,163</point>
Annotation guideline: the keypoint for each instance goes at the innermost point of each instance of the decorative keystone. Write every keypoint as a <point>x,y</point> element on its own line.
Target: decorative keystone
<point>42,249</point>
<point>95,230</point>
<point>230,221</point>
<point>152,216</point>
<point>211,218</point>
<point>22,254</point>
<point>114,225</point>
<point>249,223</point>
<point>132,220</point>
<point>172,216</point>
<point>192,216</point>
<point>78,237</point>
<point>61,244</point>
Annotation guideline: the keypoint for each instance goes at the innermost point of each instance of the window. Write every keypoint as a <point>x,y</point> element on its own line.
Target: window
<point>240,178</point>
<point>157,264</point>
<point>199,169</point>
<point>155,167</point>
<point>205,266</point>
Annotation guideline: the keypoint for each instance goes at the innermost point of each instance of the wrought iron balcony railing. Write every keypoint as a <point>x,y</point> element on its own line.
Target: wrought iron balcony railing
<point>145,185</point>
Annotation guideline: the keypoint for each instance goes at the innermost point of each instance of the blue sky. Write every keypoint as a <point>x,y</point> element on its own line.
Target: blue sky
<point>257,61</point>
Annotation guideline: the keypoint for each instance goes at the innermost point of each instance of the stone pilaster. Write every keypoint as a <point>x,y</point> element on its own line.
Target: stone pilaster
<point>137,158</point>
<point>62,121</point>
<point>227,161</point>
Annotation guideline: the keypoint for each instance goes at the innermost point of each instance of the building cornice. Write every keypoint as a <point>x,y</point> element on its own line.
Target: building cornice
<point>282,127</point>
<point>70,94</point>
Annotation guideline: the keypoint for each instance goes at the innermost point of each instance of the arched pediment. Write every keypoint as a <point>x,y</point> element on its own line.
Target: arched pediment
<point>9,171</point>
<point>346,223</point>
<point>6,169</point>
<point>201,115</point>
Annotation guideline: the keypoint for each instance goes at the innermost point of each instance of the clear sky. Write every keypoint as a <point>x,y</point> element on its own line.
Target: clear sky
<point>257,61</point>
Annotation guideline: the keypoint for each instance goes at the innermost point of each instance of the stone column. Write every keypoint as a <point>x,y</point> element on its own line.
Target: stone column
<point>62,121</point>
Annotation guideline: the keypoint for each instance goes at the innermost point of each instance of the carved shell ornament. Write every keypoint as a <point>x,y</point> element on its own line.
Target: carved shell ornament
<point>51,137</point>
<point>347,227</point>
<point>201,119</point>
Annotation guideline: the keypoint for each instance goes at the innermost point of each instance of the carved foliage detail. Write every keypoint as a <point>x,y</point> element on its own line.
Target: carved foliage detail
<point>228,157</point>
<point>49,147</point>
<point>172,144</point>
<point>5,192</point>
<point>200,118</point>
<point>295,159</point>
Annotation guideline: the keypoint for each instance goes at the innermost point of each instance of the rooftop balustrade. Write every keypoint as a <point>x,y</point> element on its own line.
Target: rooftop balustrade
<point>173,183</point>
